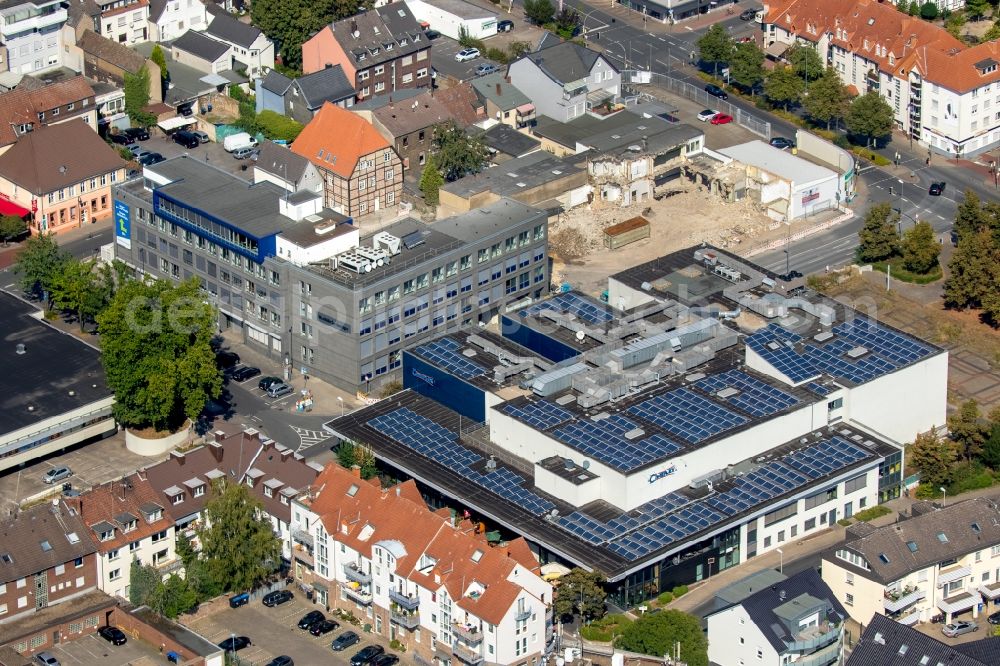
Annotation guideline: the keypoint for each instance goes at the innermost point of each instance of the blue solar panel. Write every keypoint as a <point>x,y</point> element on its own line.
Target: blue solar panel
<point>540,414</point>
<point>755,397</point>
<point>604,440</point>
<point>775,345</point>
<point>818,389</point>
<point>572,304</point>
<point>687,414</point>
<point>444,353</point>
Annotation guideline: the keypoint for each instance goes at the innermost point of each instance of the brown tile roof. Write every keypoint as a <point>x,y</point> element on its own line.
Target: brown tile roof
<point>19,106</point>
<point>57,156</point>
<point>335,139</point>
<point>108,503</point>
<point>876,31</point>
<point>462,102</point>
<point>23,539</point>
<point>413,114</point>
<point>114,53</point>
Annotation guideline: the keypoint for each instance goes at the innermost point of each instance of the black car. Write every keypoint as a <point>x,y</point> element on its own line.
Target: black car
<point>186,139</point>
<point>936,189</point>
<point>782,143</point>
<point>136,134</point>
<point>283,660</point>
<point>790,275</point>
<point>716,91</point>
<point>505,25</point>
<point>748,14</point>
<point>267,382</point>
<point>113,635</point>
<point>344,641</point>
<point>385,660</point>
<point>311,618</point>
<point>277,598</point>
<point>227,359</point>
<point>245,373</point>
<point>149,159</point>
<point>366,654</point>
<point>323,627</point>
<point>432,34</point>
<point>994,618</point>
<point>235,643</point>
<point>120,139</point>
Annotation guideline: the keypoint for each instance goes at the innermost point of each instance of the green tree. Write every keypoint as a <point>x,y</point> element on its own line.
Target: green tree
<point>783,86</point>
<point>920,248</point>
<point>456,153</point>
<point>345,455</point>
<point>933,457</point>
<point>173,597</point>
<point>157,354</point>
<point>827,100</point>
<point>993,33</point>
<point>290,23</point>
<point>277,126</point>
<point>238,545</point>
<point>366,461</point>
<point>806,62</point>
<point>143,580</point>
<point>567,23</point>
<point>716,46</point>
<point>747,66</point>
<point>914,8</point>
<point>431,181</point>
<point>11,227</point>
<point>967,429</point>
<point>972,268</point>
<point>929,11</point>
<point>991,449</point>
<point>40,263</point>
<point>870,116</point>
<point>160,59</point>
<point>137,98</point>
<point>658,633</point>
<point>78,287</point>
<point>877,239</point>
<point>977,9</point>
<point>539,12</point>
<point>969,215</point>
<point>580,592</point>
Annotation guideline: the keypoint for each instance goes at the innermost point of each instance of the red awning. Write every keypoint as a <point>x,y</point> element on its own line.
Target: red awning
<point>525,108</point>
<point>8,207</point>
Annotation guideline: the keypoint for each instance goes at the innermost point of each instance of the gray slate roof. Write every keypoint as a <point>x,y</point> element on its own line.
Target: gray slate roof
<point>505,139</point>
<point>883,640</point>
<point>201,46</point>
<point>276,82</point>
<point>513,176</point>
<point>156,8</point>
<point>228,29</point>
<point>565,62</point>
<point>495,88</point>
<point>377,29</point>
<point>326,85</point>
<point>281,162</point>
<point>936,535</point>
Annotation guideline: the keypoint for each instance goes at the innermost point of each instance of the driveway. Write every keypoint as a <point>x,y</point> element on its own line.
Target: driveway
<point>93,649</point>
<point>210,152</point>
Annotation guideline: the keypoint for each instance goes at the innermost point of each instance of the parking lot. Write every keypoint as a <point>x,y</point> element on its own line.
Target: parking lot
<point>93,649</point>
<point>273,632</point>
<point>211,152</point>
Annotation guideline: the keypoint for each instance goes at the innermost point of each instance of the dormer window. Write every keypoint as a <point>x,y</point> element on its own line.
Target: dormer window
<point>366,532</point>
<point>199,491</point>
<point>374,50</point>
<point>107,535</point>
<point>403,42</point>
<point>987,66</point>
<point>178,499</point>
<point>388,47</point>
<point>361,56</point>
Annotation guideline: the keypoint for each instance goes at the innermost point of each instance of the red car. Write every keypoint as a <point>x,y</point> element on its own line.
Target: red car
<point>721,119</point>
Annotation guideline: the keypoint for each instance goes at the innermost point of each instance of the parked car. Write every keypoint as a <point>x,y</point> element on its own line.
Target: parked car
<point>486,68</point>
<point>721,119</point>
<point>244,153</point>
<point>278,390</point>
<point>707,114</point>
<point>323,627</point>
<point>238,600</point>
<point>227,359</point>
<point>57,474</point>
<point>505,25</point>
<point>365,655</point>
<point>994,618</point>
<point>782,143</point>
<point>201,136</point>
<point>245,373</point>
<point>467,54</point>
<point>186,139</point>
<point>344,641</point>
<point>277,598</point>
<point>137,150</point>
<point>283,660</point>
<point>432,34</point>
<point>311,618</point>
<point>748,14</point>
<point>137,133</point>
<point>385,660</point>
<point>957,628</point>
<point>716,91</point>
<point>113,635</point>
<point>235,643</point>
<point>936,189</point>
<point>119,139</point>
<point>46,658</point>
<point>790,275</point>
<point>149,159</point>
<point>267,382</point>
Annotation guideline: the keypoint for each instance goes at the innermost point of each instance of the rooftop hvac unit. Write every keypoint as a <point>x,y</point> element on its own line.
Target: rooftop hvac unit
<point>383,240</point>
<point>354,262</point>
<point>377,257</point>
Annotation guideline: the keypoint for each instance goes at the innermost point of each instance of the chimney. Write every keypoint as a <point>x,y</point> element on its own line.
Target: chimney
<point>498,87</point>
<point>216,450</point>
<point>356,471</point>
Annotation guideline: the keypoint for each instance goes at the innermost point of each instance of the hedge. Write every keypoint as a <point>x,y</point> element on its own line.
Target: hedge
<point>276,126</point>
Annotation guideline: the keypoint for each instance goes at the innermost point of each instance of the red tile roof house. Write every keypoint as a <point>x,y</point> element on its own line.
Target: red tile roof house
<point>419,576</point>
<point>362,174</point>
<point>25,109</point>
<point>274,473</point>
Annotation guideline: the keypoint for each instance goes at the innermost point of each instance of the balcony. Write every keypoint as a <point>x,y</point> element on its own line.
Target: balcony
<point>991,592</point>
<point>894,603</point>
<point>354,572</point>
<point>303,554</point>
<point>824,657</point>
<point>303,537</point>
<point>35,23</point>
<point>816,637</point>
<point>404,601</point>
<point>909,619</point>
<point>952,574</point>
<point>169,566</point>
<point>406,620</point>
<point>467,655</point>
<point>470,635</point>
<point>962,601</point>
<point>523,615</point>
<point>358,594</point>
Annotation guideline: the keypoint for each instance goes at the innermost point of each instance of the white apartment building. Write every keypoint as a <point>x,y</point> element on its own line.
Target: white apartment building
<point>249,47</point>
<point>31,36</point>
<point>169,19</point>
<point>125,21</point>
<point>420,577</point>
<point>941,560</point>
<point>944,94</point>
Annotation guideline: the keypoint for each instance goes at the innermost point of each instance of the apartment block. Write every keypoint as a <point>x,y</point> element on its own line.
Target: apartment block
<point>31,34</point>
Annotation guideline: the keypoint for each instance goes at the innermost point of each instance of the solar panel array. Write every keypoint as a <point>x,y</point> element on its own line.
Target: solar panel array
<point>755,397</point>
<point>540,414</point>
<point>570,303</point>
<point>773,344</point>
<point>824,458</point>
<point>818,389</point>
<point>604,440</point>
<point>686,414</point>
<point>444,353</point>
<point>436,442</point>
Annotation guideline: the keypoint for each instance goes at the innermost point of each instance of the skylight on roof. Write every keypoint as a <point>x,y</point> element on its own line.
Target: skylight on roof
<point>353,490</point>
<point>884,558</point>
<point>942,537</point>
<point>903,649</point>
<point>975,528</point>
<point>6,558</point>
<point>912,545</point>
<point>46,546</point>
<point>73,537</point>
<point>476,556</point>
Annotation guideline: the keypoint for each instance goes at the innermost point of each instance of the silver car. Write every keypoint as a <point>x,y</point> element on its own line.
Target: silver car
<point>959,628</point>
<point>279,389</point>
<point>46,659</point>
<point>202,137</point>
<point>57,474</point>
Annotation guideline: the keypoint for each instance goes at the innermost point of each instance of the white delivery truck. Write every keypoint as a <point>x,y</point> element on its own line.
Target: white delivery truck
<point>234,142</point>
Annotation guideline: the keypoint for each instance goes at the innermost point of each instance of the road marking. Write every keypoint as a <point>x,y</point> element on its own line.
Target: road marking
<point>665,64</point>
<point>309,438</point>
<point>663,40</point>
<point>688,28</point>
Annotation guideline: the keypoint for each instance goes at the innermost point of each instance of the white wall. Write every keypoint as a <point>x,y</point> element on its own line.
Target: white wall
<point>623,297</point>
<point>301,256</point>
<point>734,639</point>
<point>449,24</point>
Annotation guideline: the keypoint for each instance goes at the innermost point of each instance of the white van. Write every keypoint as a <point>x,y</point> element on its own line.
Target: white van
<point>236,141</point>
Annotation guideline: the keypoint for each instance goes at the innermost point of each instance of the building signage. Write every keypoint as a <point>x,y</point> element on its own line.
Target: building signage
<point>123,225</point>
<point>662,474</point>
<point>423,377</point>
<point>811,195</point>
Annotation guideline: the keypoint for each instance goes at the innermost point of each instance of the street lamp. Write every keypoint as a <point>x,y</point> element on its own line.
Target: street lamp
<point>944,500</point>
<point>341,401</point>
<point>781,560</point>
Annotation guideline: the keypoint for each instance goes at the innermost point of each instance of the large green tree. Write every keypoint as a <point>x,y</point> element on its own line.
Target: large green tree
<point>920,248</point>
<point>973,268</point>
<point>238,545</point>
<point>878,238</point>
<point>157,354</point>
<point>969,214</point>
<point>783,86</point>
<point>870,116</point>
<point>580,592</point>
<point>934,458</point>
<point>173,597</point>
<point>991,447</point>
<point>160,59</point>
<point>747,66</point>
<point>539,12</point>
<point>79,287</point>
<point>658,634</point>
<point>567,22</point>
<point>827,100</point>
<point>143,580</point>
<point>431,181</point>
<point>967,429</point>
<point>40,263</point>
<point>290,23</point>
<point>716,46</point>
<point>456,153</point>
<point>977,9</point>
<point>805,62</point>
<point>929,11</point>
<point>11,227</point>
<point>137,98</point>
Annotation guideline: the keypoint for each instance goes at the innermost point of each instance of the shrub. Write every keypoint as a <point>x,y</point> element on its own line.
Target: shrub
<point>665,598</point>
<point>498,55</point>
<point>592,633</point>
<point>970,476</point>
<point>680,591</point>
<point>844,522</point>
<point>872,512</point>
<point>276,126</point>
<point>903,275</point>
<point>397,646</point>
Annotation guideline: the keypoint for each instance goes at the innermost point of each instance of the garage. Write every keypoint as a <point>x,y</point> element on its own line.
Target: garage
<point>450,17</point>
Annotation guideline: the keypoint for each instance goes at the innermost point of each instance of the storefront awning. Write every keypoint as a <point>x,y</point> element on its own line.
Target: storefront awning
<point>8,207</point>
<point>175,123</point>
